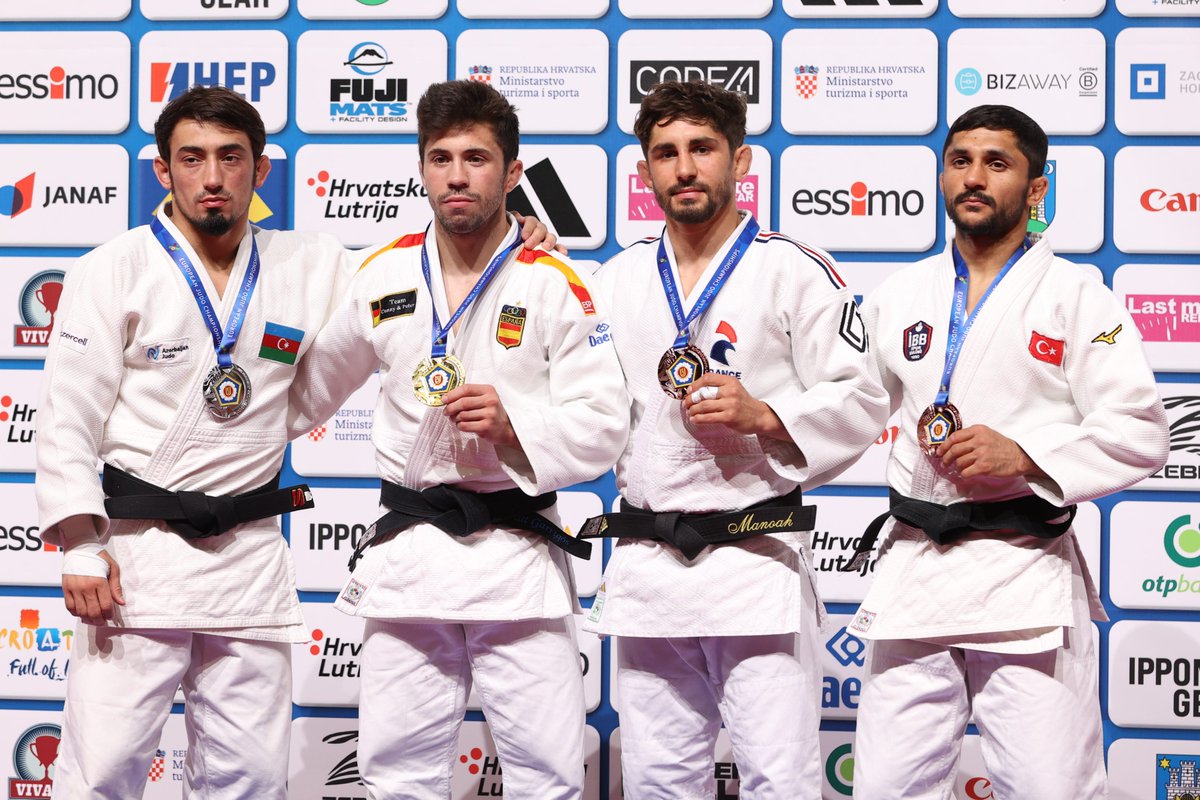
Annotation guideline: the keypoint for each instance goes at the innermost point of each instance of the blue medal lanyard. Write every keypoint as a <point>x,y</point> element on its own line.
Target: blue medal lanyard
<point>958,329</point>
<point>439,332</point>
<point>682,324</point>
<point>223,341</point>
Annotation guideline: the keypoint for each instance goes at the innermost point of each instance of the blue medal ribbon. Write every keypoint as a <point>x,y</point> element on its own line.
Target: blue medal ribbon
<point>223,341</point>
<point>957,332</point>
<point>710,291</point>
<point>440,332</point>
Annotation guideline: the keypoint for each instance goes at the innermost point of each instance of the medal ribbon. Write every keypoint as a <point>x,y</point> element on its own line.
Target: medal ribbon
<point>958,330</point>
<point>223,341</point>
<point>440,332</point>
<point>710,291</point>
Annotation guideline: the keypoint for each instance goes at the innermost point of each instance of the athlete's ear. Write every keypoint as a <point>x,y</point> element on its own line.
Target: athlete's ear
<point>1037,190</point>
<point>741,161</point>
<point>262,168</point>
<point>515,170</point>
<point>643,170</point>
<point>162,171</point>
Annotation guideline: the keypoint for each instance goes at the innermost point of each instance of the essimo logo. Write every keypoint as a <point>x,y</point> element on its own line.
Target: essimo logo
<point>858,200</point>
<point>58,84</point>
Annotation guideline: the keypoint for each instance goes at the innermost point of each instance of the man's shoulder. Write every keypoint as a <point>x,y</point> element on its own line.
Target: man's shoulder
<point>637,253</point>
<point>559,272</point>
<point>797,259</point>
<point>404,246</point>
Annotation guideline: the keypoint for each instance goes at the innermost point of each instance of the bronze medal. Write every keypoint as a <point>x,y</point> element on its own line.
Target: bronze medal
<point>434,377</point>
<point>935,426</point>
<point>679,368</point>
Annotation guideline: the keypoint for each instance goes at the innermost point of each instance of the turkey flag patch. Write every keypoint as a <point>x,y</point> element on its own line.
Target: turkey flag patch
<point>1043,348</point>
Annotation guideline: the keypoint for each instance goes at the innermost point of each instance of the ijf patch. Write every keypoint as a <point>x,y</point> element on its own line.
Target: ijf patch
<point>916,340</point>
<point>863,620</point>
<point>353,592</point>
<point>402,304</point>
<point>510,326</point>
<point>280,343</point>
<point>1043,348</point>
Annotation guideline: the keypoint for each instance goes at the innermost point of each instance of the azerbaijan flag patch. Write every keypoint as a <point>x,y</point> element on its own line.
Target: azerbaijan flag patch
<point>280,343</point>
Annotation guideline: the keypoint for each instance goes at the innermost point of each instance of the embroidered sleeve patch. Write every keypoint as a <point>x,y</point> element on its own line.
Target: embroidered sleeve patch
<point>402,304</point>
<point>511,326</point>
<point>280,343</point>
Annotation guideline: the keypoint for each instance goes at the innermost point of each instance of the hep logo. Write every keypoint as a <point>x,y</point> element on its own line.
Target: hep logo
<point>723,347</point>
<point>17,198</point>
<point>322,177</point>
<point>846,648</point>
<point>317,433</point>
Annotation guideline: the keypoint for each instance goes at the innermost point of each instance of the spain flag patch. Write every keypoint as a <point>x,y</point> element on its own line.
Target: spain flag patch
<point>511,326</point>
<point>280,343</point>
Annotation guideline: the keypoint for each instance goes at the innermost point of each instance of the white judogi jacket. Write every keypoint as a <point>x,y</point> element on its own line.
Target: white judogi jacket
<point>1094,423</point>
<point>785,324</point>
<point>123,378</point>
<point>560,385</point>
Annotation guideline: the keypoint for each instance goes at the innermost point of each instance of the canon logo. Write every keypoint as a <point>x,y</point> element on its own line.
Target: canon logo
<point>1160,200</point>
<point>858,201</point>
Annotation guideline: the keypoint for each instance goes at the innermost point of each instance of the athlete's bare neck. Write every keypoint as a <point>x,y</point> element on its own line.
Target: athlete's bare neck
<point>217,253</point>
<point>985,256</point>
<point>695,246</point>
<point>469,253</point>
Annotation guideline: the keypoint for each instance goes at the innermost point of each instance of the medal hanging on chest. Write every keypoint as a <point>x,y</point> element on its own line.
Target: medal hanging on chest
<point>941,419</point>
<point>440,374</point>
<point>226,388</point>
<point>683,363</point>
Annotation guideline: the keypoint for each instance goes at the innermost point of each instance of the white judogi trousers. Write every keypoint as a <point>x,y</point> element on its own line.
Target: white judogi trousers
<point>1038,716</point>
<point>238,703</point>
<point>674,693</point>
<point>415,681</point>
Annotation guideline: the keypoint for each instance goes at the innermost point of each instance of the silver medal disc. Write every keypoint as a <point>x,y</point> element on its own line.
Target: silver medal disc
<point>227,391</point>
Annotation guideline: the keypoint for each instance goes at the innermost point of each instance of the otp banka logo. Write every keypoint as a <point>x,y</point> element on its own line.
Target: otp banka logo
<point>169,79</point>
<point>839,769</point>
<point>338,656</point>
<point>1177,777</point>
<point>370,96</point>
<point>1182,544</point>
<point>858,200</point>
<point>33,652</point>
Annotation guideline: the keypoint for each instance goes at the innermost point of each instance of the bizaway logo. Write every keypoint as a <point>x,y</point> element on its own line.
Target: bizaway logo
<point>742,77</point>
<point>968,81</point>
<point>373,200</point>
<point>859,200</point>
<point>170,79</point>
<point>58,84</point>
<point>547,188</point>
<point>16,198</point>
<point>371,96</point>
<point>338,657</point>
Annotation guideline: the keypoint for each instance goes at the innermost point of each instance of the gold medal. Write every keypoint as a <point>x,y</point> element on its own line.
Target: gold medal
<point>679,368</point>
<point>935,426</point>
<point>434,377</point>
<point>227,391</point>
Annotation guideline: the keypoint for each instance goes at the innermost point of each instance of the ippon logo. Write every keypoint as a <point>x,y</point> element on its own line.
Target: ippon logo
<point>858,201</point>
<point>58,84</point>
<point>736,76</point>
<point>1182,673</point>
<point>1156,200</point>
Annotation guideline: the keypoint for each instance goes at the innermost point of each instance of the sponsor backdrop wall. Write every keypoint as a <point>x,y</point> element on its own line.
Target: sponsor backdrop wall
<point>848,104</point>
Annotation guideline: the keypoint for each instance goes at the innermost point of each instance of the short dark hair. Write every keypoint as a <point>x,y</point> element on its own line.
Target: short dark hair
<point>210,105</point>
<point>1031,139</point>
<point>458,104</point>
<point>694,101</point>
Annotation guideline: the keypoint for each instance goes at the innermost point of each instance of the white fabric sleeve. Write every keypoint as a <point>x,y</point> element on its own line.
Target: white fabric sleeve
<point>576,427</point>
<point>1122,435</point>
<point>839,406</point>
<point>84,368</point>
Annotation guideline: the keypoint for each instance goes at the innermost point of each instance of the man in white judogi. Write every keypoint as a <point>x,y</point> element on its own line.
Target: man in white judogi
<point>1043,400</point>
<point>497,388</point>
<point>710,588</point>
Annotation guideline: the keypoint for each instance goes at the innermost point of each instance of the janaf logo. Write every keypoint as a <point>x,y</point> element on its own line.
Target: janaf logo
<point>373,95</point>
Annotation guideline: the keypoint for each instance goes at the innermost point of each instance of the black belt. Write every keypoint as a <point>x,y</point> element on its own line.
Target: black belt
<point>946,524</point>
<point>461,513</point>
<point>195,515</point>
<point>691,533</point>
